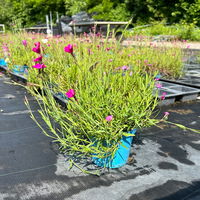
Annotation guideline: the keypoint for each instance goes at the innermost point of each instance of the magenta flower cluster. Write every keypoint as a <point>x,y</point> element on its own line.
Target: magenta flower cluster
<point>39,64</point>
<point>37,48</point>
<point>71,93</point>
<point>69,49</point>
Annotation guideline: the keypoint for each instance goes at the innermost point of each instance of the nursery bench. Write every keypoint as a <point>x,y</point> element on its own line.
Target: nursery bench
<point>103,26</point>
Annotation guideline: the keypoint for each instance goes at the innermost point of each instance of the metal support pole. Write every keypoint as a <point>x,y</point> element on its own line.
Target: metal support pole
<point>57,17</point>
<point>59,24</point>
<point>47,21</point>
<point>51,22</point>
<point>4,30</point>
<point>48,27</point>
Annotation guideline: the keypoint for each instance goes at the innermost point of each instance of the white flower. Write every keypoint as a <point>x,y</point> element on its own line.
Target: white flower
<point>44,41</point>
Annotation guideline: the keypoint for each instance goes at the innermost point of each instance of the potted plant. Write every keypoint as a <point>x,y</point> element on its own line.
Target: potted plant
<point>104,108</point>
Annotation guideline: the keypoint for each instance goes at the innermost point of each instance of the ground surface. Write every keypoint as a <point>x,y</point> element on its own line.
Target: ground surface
<point>164,166</point>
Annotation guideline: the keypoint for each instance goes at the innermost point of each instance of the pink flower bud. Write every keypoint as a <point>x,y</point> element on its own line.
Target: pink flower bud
<point>166,114</point>
<point>24,42</point>
<point>37,49</point>
<point>163,95</point>
<point>69,49</point>
<point>38,59</point>
<point>125,68</point>
<point>109,118</point>
<point>39,66</point>
<point>158,85</point>
<point>70,93</point>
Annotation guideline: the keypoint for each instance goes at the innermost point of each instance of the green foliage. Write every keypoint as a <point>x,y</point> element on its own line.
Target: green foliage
<point>139,11</point>
<point>109,11</point>
<point>23,13</point>
<point>174,11</point>
<point>187,11</point>
<point>102,9</point>
<point>75,6</point>
<point>26,13</point>
<point>180,31</point>
<point>189,32</point>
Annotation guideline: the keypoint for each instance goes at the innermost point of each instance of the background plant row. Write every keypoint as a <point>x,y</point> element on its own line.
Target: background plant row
<point>108,80</point>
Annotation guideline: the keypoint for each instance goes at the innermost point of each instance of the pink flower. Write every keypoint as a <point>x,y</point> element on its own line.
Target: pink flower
<point>5,48</point>
<point>188,46</point>
<point>85,34</point>
<point>98,34</point>
<point>125,67</point>
<point>24,42</point>
<point>110,60</point>
<point>109,118</point>
<point>163,95</point>
<point>158,85</point>
<point>90,51</point>
<point>157,79</point>
<point>37,44</point>
<point>70,93</point>
<point>37,49</point>
<point>39,66</point>
<point>131,73</point>
<point>166,114</point>
<point>38,59</point>
<point>69,49</point>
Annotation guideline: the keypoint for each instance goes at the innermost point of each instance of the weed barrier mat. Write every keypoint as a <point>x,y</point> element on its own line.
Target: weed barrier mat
<point>163,166</point>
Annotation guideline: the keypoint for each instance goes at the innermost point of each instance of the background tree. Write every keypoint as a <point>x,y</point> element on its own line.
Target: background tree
<point>28,12</point>
<point>22,13</point>
<point>187,11</point>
